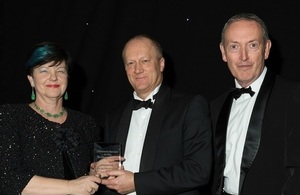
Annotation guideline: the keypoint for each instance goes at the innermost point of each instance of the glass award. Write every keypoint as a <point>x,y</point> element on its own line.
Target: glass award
<point>107,156</point>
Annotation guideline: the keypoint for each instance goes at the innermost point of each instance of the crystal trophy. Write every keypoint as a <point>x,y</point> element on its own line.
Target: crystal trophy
<point>107,156</point>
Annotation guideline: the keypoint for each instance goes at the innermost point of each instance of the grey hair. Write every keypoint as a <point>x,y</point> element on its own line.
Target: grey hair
<point>155,43</point>
<point>247,17</point>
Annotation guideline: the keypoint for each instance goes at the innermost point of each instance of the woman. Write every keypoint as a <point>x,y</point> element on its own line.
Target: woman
<point>46,148</point>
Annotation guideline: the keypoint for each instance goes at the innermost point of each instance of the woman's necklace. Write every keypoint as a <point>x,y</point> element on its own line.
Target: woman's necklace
<point>49,114</point>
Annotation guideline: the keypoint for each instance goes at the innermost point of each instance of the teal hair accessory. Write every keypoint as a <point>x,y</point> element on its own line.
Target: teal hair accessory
<point>38,55</point>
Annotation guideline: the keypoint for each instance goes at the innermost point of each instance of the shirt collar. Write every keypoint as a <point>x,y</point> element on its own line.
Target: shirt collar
<point>150,96</point>
<point>255,86</point>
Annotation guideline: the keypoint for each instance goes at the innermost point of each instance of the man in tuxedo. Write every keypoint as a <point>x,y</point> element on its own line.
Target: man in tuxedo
<point>255,128</point>
<point>168,143</point>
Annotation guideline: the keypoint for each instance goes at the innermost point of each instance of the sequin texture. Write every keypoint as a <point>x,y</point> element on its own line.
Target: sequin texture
<point>32,145</point>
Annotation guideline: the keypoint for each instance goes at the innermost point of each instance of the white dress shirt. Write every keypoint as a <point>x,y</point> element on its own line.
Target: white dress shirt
<point>136,135</point>
<point>237,128</point>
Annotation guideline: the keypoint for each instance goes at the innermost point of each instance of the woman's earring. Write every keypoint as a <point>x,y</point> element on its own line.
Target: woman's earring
<point>32,94</point>
<point>66,96</point>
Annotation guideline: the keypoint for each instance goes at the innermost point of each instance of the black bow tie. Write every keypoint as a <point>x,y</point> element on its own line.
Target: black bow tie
<point>237,92</point>
<point>137,104</point>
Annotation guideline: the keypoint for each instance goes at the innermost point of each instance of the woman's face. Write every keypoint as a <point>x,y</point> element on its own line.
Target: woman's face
<point>50,81</point>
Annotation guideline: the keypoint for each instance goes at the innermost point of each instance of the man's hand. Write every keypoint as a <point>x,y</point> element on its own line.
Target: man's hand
<point>109,163</point>
<point>120,180</point>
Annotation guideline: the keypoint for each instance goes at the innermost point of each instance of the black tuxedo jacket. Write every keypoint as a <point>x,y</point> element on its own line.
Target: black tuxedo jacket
<point>271,161</point>
<point>177,151</point>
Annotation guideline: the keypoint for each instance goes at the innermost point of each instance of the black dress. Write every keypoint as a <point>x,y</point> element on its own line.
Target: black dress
<point>32,145</point>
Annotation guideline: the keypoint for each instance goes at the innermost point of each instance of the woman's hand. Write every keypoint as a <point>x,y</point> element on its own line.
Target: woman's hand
<point>85,185</point>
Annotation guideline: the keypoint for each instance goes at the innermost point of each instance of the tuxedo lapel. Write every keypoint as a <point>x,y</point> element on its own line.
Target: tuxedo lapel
<point>255,126</point>
<point>220,137</point>
<point>154,127</point>
<point>221,128</point>
<point>123,127</point>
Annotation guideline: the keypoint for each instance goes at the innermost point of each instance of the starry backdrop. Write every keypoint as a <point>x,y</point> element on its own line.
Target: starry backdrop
<point>95,31</point>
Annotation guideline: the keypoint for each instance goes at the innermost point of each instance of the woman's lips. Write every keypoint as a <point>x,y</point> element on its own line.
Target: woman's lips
<point>53,86</point>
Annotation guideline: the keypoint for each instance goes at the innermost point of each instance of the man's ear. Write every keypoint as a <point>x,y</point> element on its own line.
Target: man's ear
<point>162,64</point>
<point>223,52</point>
